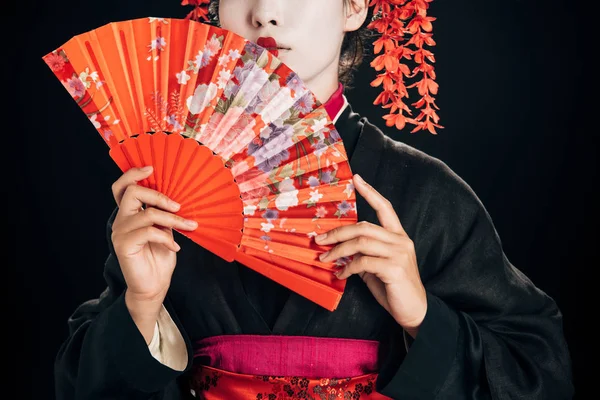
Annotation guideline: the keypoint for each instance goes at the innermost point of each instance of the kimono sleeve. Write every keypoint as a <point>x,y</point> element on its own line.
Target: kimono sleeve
<point>489,332</point>
<point>105,356</point>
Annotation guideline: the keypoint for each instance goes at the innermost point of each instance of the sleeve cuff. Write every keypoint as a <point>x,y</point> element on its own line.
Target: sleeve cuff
<point>128,349</point>
<point>427,364</point>
<point>172,348</point>
<point>154,345</point>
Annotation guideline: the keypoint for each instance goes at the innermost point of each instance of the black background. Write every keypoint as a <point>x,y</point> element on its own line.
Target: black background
<point>515,98</point>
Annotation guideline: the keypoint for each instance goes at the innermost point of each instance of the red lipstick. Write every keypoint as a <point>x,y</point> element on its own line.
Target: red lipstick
<point>268,43</point>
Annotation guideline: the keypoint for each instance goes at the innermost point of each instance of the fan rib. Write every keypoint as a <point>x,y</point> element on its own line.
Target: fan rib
<point>319,275</point>
<point>307,255</point>
<point>174,175</point>
<point>205,156</point>
<point>186,155</point>
<point>140,143</point>
<point>320,294</point>
<point>131,78</point>
<point>218,202</point>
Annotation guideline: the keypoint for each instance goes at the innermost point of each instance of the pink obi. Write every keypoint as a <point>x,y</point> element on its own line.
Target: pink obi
<point>286,367</point>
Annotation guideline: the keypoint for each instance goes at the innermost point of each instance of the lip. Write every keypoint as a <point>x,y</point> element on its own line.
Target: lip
<point>271,45</point>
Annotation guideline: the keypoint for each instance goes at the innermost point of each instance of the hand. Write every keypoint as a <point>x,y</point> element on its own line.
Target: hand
<point>143,241</point>
<point>385,259</point>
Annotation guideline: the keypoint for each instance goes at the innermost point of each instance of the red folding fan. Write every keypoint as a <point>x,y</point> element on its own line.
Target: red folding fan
<point>233,134</point>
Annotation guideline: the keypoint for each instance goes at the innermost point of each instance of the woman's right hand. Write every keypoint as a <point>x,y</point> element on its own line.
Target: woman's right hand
<point>142,236</point>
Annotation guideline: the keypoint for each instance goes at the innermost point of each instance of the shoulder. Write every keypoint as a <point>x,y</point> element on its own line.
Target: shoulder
<point>420,173</point>
<point>438,209</point>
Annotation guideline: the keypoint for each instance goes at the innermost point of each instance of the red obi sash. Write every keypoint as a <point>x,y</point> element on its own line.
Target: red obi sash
<point>284,367</point>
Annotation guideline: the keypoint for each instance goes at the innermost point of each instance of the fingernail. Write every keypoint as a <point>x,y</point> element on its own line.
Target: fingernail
<point>323,255</point>
<point>337,273</point>
<point>359,179</point>
<point>147,168</point>
<point>191,223</point>
<point>177,247</point>
<point>321,237</point>
<point>174,204</point>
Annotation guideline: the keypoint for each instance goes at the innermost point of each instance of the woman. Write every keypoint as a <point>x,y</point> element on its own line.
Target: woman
<point>432,307</point>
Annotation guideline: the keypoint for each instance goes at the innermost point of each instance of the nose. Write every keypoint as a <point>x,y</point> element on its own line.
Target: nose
<point>266,13</point>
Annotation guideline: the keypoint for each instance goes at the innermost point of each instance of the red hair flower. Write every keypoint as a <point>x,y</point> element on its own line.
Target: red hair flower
<point>200,11</point>
<point>402,24</point>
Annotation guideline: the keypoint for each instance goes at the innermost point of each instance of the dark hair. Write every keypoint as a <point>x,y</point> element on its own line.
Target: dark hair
<point>354,45</point>
<point>354,49</point>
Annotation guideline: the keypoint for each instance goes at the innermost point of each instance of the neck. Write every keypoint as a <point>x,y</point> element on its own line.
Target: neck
<point>325,83</point>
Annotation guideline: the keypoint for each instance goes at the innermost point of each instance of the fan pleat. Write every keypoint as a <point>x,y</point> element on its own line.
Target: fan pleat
<point>303,196</point>
<point>304,255</point>
<point>157,147</point>
<point>185,160</point>
<point>320,276</point>
<point>302,167</point>
<point>249,88</point>
<point>119,41</point>
<point>292,238</point>
<point>196,172</point>
<point>302,225</point>
<point>144,149</point>
<point>214,192</point>
<point>216,211</point>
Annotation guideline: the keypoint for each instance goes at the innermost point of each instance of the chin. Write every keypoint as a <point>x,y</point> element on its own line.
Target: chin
<point>283,54</point>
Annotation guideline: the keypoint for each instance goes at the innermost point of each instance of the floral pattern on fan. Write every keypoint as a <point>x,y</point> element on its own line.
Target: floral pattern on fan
<point>237,99</point>
<point>287,116</point>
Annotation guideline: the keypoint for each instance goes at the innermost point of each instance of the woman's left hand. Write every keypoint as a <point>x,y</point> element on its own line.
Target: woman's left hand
<point>385,259</point>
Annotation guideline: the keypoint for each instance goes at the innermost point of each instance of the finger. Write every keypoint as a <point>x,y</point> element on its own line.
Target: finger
<point>374,265</point>
<point>136,196</point>
<point>362,228</point>
<point>153,216</point>
<point>131,177</point>
<point>132,242</point>
<point>165,229</point>
<point>382,206</point>
<point>363,245</point>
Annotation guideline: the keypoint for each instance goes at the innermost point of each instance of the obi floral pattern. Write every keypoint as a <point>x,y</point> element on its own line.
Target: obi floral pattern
<point>211,383</point>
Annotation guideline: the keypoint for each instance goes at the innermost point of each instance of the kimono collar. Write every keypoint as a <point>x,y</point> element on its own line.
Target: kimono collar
<point>336,103</point>
<point>365,144</point>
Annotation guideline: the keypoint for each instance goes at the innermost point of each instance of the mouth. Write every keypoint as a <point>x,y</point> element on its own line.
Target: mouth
<point>271,45</point>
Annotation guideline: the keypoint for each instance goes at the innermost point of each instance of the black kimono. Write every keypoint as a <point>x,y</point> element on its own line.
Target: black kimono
<point>489,333</point>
